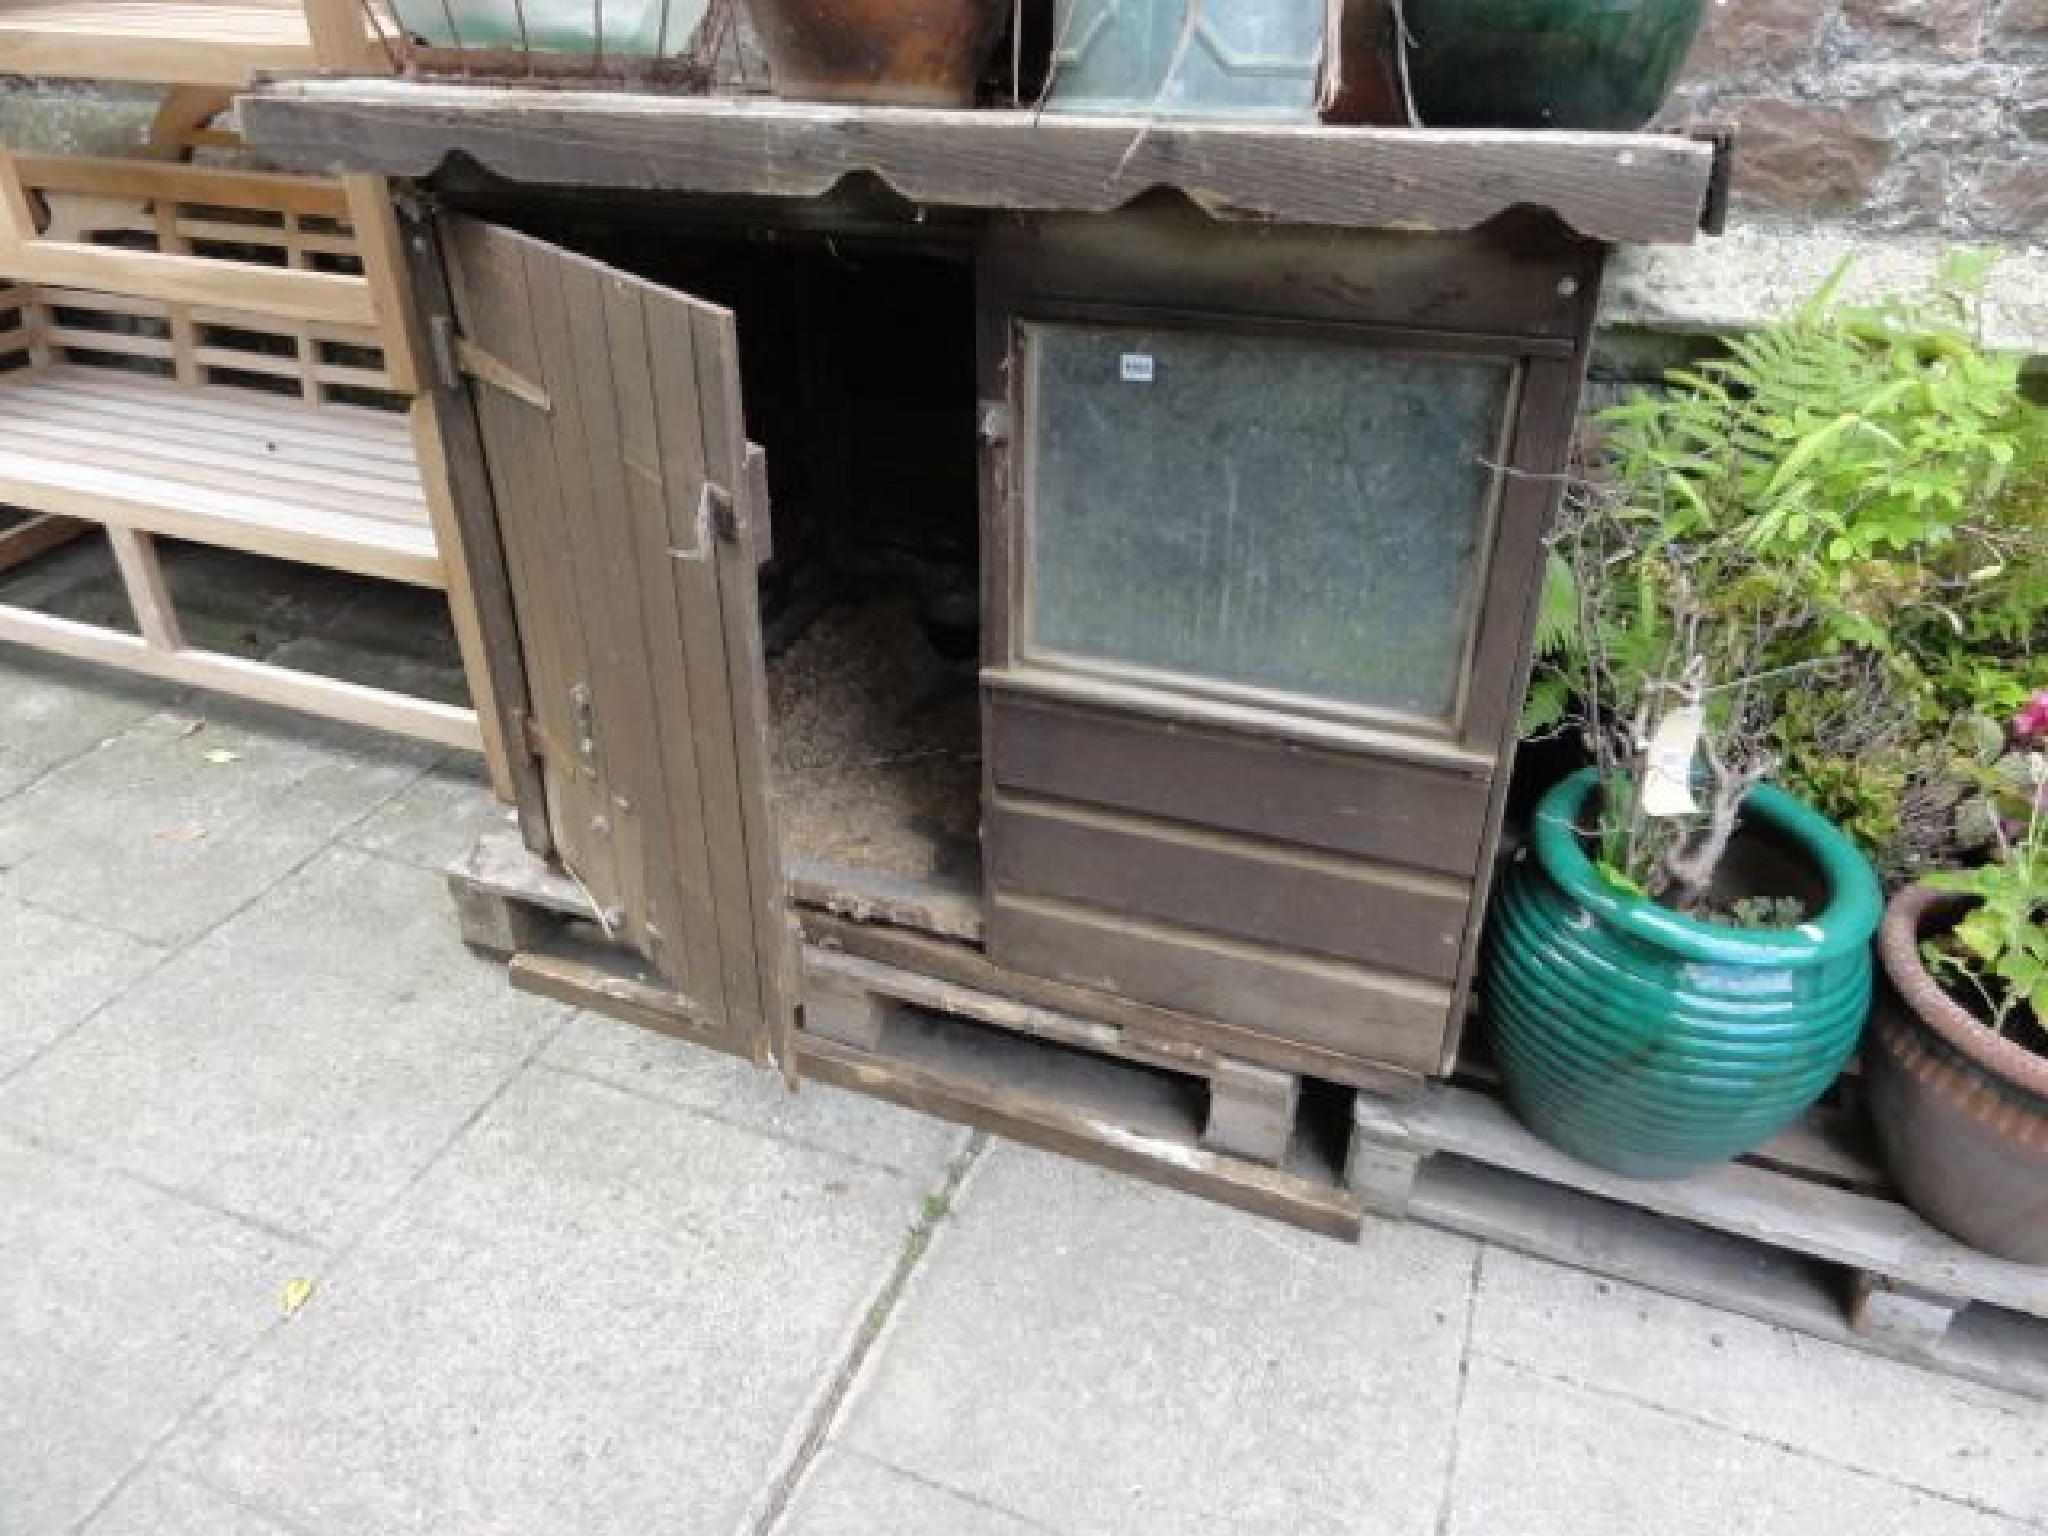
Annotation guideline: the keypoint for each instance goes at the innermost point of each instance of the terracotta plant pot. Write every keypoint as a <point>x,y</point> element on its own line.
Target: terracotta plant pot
<point>1601,64</point>
<point>1961,1113</point>
<point>1652,1044</point>
<point>925,53</point>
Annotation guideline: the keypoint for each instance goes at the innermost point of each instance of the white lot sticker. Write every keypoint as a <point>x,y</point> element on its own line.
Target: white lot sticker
<point>1138,367</point>
<point>1667,790</point>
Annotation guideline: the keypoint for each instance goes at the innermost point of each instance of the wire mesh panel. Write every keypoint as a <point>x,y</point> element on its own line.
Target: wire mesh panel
<point>664,45</point>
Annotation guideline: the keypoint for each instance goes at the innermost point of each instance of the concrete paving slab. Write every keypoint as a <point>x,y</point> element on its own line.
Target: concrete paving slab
<point>1538,1456</point>
<point>849,1495</point>
<point>437,820</point>
<point>119,1308</point>
<point>166,831</point>
<point>58,971</point>
<point>51,711</point>
<point>158,1504</point>
<point>301,1064</point>
<point>597,1314</point>
<point>1891,1420</point>
<point>739,1093</point>
<point>1101,1356</point>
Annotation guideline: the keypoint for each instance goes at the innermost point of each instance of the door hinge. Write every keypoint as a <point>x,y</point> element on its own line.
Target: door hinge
<point>441,339</point>
<point>456,358</point>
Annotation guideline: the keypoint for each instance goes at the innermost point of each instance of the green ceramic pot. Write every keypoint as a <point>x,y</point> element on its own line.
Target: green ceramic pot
<point>1598,64</point>
<point>1652,1044</point>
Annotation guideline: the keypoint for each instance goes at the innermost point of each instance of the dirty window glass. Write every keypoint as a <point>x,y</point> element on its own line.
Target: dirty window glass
<point>1282,513</point>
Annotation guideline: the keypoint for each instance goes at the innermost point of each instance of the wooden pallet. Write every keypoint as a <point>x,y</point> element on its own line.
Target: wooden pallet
<point>1805,1233</point>
<point>1214,1125</point>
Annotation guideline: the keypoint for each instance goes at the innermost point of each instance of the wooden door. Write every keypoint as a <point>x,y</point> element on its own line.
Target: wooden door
<point>633,511</point>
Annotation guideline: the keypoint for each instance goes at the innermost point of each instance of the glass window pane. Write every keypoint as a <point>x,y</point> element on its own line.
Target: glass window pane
<point>1269,511</point>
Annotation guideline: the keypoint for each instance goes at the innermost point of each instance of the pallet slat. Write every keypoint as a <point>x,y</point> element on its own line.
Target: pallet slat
<point>1860,1232</point>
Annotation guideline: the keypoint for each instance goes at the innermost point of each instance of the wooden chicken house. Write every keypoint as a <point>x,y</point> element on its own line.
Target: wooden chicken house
<point>1020,614</point>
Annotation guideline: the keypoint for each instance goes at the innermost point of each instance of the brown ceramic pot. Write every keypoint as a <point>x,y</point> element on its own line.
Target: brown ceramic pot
<point>925,53</point>
<point>1962,1113</point>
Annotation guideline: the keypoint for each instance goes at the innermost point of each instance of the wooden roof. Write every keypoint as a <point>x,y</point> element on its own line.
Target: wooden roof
<point>1609,187</point>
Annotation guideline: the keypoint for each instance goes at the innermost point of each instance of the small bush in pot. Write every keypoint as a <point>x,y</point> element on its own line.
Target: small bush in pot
<point>1749,539</point>
<point>1958,1057</point>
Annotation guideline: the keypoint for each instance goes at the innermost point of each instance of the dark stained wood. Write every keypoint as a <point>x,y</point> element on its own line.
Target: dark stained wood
<point>1395,813</point>
<point>739,524</point>
<point>918,1068</point>
<point>1519,277</point>
<point>476,516</point>
<point>1071,1126</point>
<point>586,976</point>
<point>488,279</point>
<point>1840,1226</point>
<point>689,893</point>
<point>1500,677</point>
<point>611,476</point>
<point>1252,1112</point>
<point>1615,187</point>
<point>2007,1351</point>
<point>869,896</point>
<point>1376,1015</point>
<point>590,514</point>
<point>1239,887</point>
<point>1143,1031</point>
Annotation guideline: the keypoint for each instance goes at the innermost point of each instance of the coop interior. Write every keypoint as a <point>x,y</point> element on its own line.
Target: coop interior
<point>858,367</point>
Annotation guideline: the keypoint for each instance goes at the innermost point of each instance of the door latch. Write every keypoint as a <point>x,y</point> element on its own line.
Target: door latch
<point>583,714</point>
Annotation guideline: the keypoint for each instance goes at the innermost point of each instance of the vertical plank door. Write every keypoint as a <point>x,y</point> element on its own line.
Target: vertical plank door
<point>610,415</point>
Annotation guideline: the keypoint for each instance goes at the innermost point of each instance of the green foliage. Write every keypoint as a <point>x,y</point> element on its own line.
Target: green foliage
<point>1999,948</point>
<point>1834,538</point>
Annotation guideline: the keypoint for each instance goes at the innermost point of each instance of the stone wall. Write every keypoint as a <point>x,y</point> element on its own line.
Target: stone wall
<point>1883,131</point>
<point>1908,115</point>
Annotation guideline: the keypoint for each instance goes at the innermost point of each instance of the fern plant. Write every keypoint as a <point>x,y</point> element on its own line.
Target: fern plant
<point>1781,547</point>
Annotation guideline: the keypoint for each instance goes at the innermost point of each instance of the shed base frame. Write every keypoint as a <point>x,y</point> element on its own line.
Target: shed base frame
<point>1805,1233</point>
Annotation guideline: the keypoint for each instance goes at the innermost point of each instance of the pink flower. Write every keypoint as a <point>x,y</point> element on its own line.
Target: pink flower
<point>2031,723</point>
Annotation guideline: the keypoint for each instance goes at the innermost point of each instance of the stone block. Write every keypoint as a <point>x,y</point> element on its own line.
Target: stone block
<point>1808,157</point>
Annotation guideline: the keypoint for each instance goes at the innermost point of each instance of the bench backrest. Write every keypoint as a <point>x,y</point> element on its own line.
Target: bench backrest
<point>183,259</point>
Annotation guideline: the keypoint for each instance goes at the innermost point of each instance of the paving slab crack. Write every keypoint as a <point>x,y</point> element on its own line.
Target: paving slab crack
<point>937,1208</point>
<point>961,1494</point>
<point>168,952</point>
<point>732,1122</point>
<point>1447,1499</point>
<point>334,1259</point>
<point>1752,1437</point>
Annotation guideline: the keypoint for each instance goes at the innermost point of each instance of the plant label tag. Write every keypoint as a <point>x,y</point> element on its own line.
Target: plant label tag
<point>1137,367</point>
<point>1667,764</point>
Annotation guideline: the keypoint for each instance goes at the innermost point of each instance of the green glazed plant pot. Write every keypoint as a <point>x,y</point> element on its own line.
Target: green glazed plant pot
<point>1590,64</point>
<point>1652,1044</point>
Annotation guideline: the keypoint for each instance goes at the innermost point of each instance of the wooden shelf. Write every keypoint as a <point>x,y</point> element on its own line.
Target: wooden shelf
<point>1606,186</point>
<point>191,42</point>
<point>338,487</point>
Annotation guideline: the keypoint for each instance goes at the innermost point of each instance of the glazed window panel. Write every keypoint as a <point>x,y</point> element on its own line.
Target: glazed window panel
<point>1265,512</point>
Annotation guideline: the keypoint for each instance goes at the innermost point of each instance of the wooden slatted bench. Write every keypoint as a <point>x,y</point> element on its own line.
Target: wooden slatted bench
<point>196,353</point>
<point>193,42</point>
